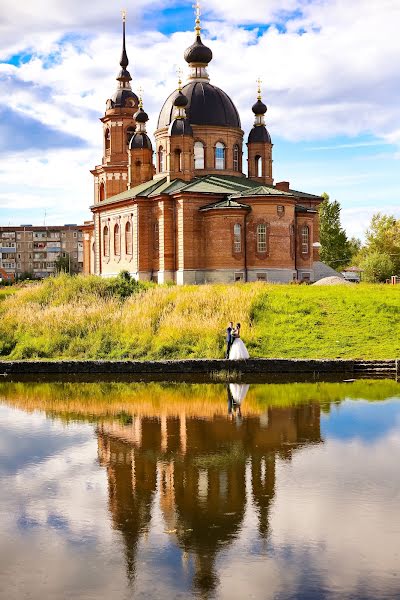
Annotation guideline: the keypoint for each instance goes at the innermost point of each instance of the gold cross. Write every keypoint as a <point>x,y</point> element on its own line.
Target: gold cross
<point>140,91</point>
<point>197,12</point>
<point>259,82</point>
<point>179,72</point>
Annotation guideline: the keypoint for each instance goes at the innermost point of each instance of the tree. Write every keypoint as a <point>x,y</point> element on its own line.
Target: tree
<point>377,267</point>
<point>336,251</point>
<point>383,237</point>
<point>63,265</point>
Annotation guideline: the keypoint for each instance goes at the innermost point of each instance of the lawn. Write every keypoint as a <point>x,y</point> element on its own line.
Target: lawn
<point>89,318</point>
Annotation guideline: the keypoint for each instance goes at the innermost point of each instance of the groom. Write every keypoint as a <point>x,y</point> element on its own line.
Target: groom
<point>229,338</point>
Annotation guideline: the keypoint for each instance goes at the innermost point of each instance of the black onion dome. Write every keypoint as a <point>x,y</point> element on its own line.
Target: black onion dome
<point>141,116</point>
<point>259,134</point>
<point>181,101</point>
<point>124,97</point>
<point>140,140</point>
<point>180,127</point>
<point>259,108</point>
<point>198,53</point>
<point>207,105</point>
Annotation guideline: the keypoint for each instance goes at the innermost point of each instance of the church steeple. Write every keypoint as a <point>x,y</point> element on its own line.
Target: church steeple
<point>124,97</point>
<point>198,55</point>
<point>260,144</point>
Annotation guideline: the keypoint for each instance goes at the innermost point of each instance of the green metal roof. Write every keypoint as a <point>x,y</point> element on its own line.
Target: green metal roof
<point>235,187</point>
<point>224,204</point>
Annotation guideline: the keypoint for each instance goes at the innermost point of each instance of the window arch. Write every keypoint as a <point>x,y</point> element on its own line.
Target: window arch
<point>161,161</point>
<point>106,241</point>
<point>259,166</point>
<point>261,238</point>
<point>128,238</point>
<point>117,241</point>
<point>305,239</point>
<point>102,192</point>
<point>107,140</point>
<point>236,162</point>
<point>237,238</point>
<point>178,160</point>
<point>199,155</point>
<point>219,156</point>
<point>130,132</point>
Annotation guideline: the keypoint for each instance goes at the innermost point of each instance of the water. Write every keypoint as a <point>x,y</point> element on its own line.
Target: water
<point>175,491</point>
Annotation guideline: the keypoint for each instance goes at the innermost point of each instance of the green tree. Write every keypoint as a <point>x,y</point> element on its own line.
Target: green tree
<point>336,251</point>
<point>377,267</point>
<point>383,237</point>
<point>63,265</point>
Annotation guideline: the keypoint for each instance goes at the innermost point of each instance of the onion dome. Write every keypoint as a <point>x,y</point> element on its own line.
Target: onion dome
<point>207,105</point>
<point>259,108</point>
<point>180,127</point>
<point>141,116</point>
<point>198,53</point>
<point>140,140</point>
<point>181,101</point>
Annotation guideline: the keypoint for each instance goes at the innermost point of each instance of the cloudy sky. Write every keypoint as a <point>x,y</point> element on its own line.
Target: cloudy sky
<point>330,79</point>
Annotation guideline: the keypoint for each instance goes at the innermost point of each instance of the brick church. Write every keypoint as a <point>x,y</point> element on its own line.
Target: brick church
<point>183,210</point>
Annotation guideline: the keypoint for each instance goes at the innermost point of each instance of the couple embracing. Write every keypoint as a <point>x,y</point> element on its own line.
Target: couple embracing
<point>235,348</point>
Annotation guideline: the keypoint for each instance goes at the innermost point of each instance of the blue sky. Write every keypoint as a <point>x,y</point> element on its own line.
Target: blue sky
<point>330,79</point>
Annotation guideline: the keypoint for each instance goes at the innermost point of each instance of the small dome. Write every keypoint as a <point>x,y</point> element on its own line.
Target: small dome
<point>180,127</point>
<point>259,134</point>
<point>124,75</point>
<point>259,108</point>
<point>125,98</point>
<point>207,105</point>
<point>141,116</point>
<point>181,101</point>
<point>140,140</point>
<point>198,53</point>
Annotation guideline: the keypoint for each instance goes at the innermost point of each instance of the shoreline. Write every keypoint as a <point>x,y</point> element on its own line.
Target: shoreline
<point>207,370</point>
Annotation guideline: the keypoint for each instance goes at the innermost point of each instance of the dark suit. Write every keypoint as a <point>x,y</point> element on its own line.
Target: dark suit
<point>229,340</point>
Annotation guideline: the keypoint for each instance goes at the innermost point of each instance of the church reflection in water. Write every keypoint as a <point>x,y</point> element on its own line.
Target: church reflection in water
<point>201,473</point>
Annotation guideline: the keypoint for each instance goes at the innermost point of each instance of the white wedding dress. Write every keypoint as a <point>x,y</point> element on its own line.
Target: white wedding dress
<point>238,350</point>
<point>238,392</point>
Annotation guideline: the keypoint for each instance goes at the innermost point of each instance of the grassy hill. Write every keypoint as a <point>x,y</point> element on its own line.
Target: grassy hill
<point>92,318</point>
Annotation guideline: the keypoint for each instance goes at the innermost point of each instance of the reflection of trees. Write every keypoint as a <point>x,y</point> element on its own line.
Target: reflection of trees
<point>203,473</point>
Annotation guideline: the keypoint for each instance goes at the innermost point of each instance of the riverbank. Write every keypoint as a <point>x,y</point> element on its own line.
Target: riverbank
<point>253,370</point>
<point>89,318</point>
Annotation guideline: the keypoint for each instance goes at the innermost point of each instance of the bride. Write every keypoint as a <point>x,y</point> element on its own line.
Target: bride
<point>238,349</point>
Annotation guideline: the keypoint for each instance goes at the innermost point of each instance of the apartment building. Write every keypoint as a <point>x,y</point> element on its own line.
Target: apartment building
<point>34,250</point>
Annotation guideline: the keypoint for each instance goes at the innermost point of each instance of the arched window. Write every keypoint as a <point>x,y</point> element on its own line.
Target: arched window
<point>130,132</point>
<point>102,193</point>
<point>128,238</point>
<point>236,158</point>
<point>107,140</point>
<point>160,159</point>
<point>106,241</point>
<point>259,169</point>
<point>198,155</point>
<point>237,238</point>
<point>261,238</point>
<point>178,160</point>
<point>117,241</point>
<point>219,155</point>
<point>305,239</point>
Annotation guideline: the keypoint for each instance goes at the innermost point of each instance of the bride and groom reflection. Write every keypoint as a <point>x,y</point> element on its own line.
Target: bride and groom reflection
<point>237,392</point>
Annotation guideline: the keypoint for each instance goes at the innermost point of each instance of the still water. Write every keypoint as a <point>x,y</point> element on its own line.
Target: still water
<point>200,491</point>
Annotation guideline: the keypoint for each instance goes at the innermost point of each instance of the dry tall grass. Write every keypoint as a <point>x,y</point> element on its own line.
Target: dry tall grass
<point>85,318</point>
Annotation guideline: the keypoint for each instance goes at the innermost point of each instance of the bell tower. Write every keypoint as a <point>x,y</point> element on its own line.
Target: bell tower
<point>111,176</point>
<point>260,145</point>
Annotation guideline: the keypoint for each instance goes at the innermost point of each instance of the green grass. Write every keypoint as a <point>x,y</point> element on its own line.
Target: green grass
<point>92,318</point>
